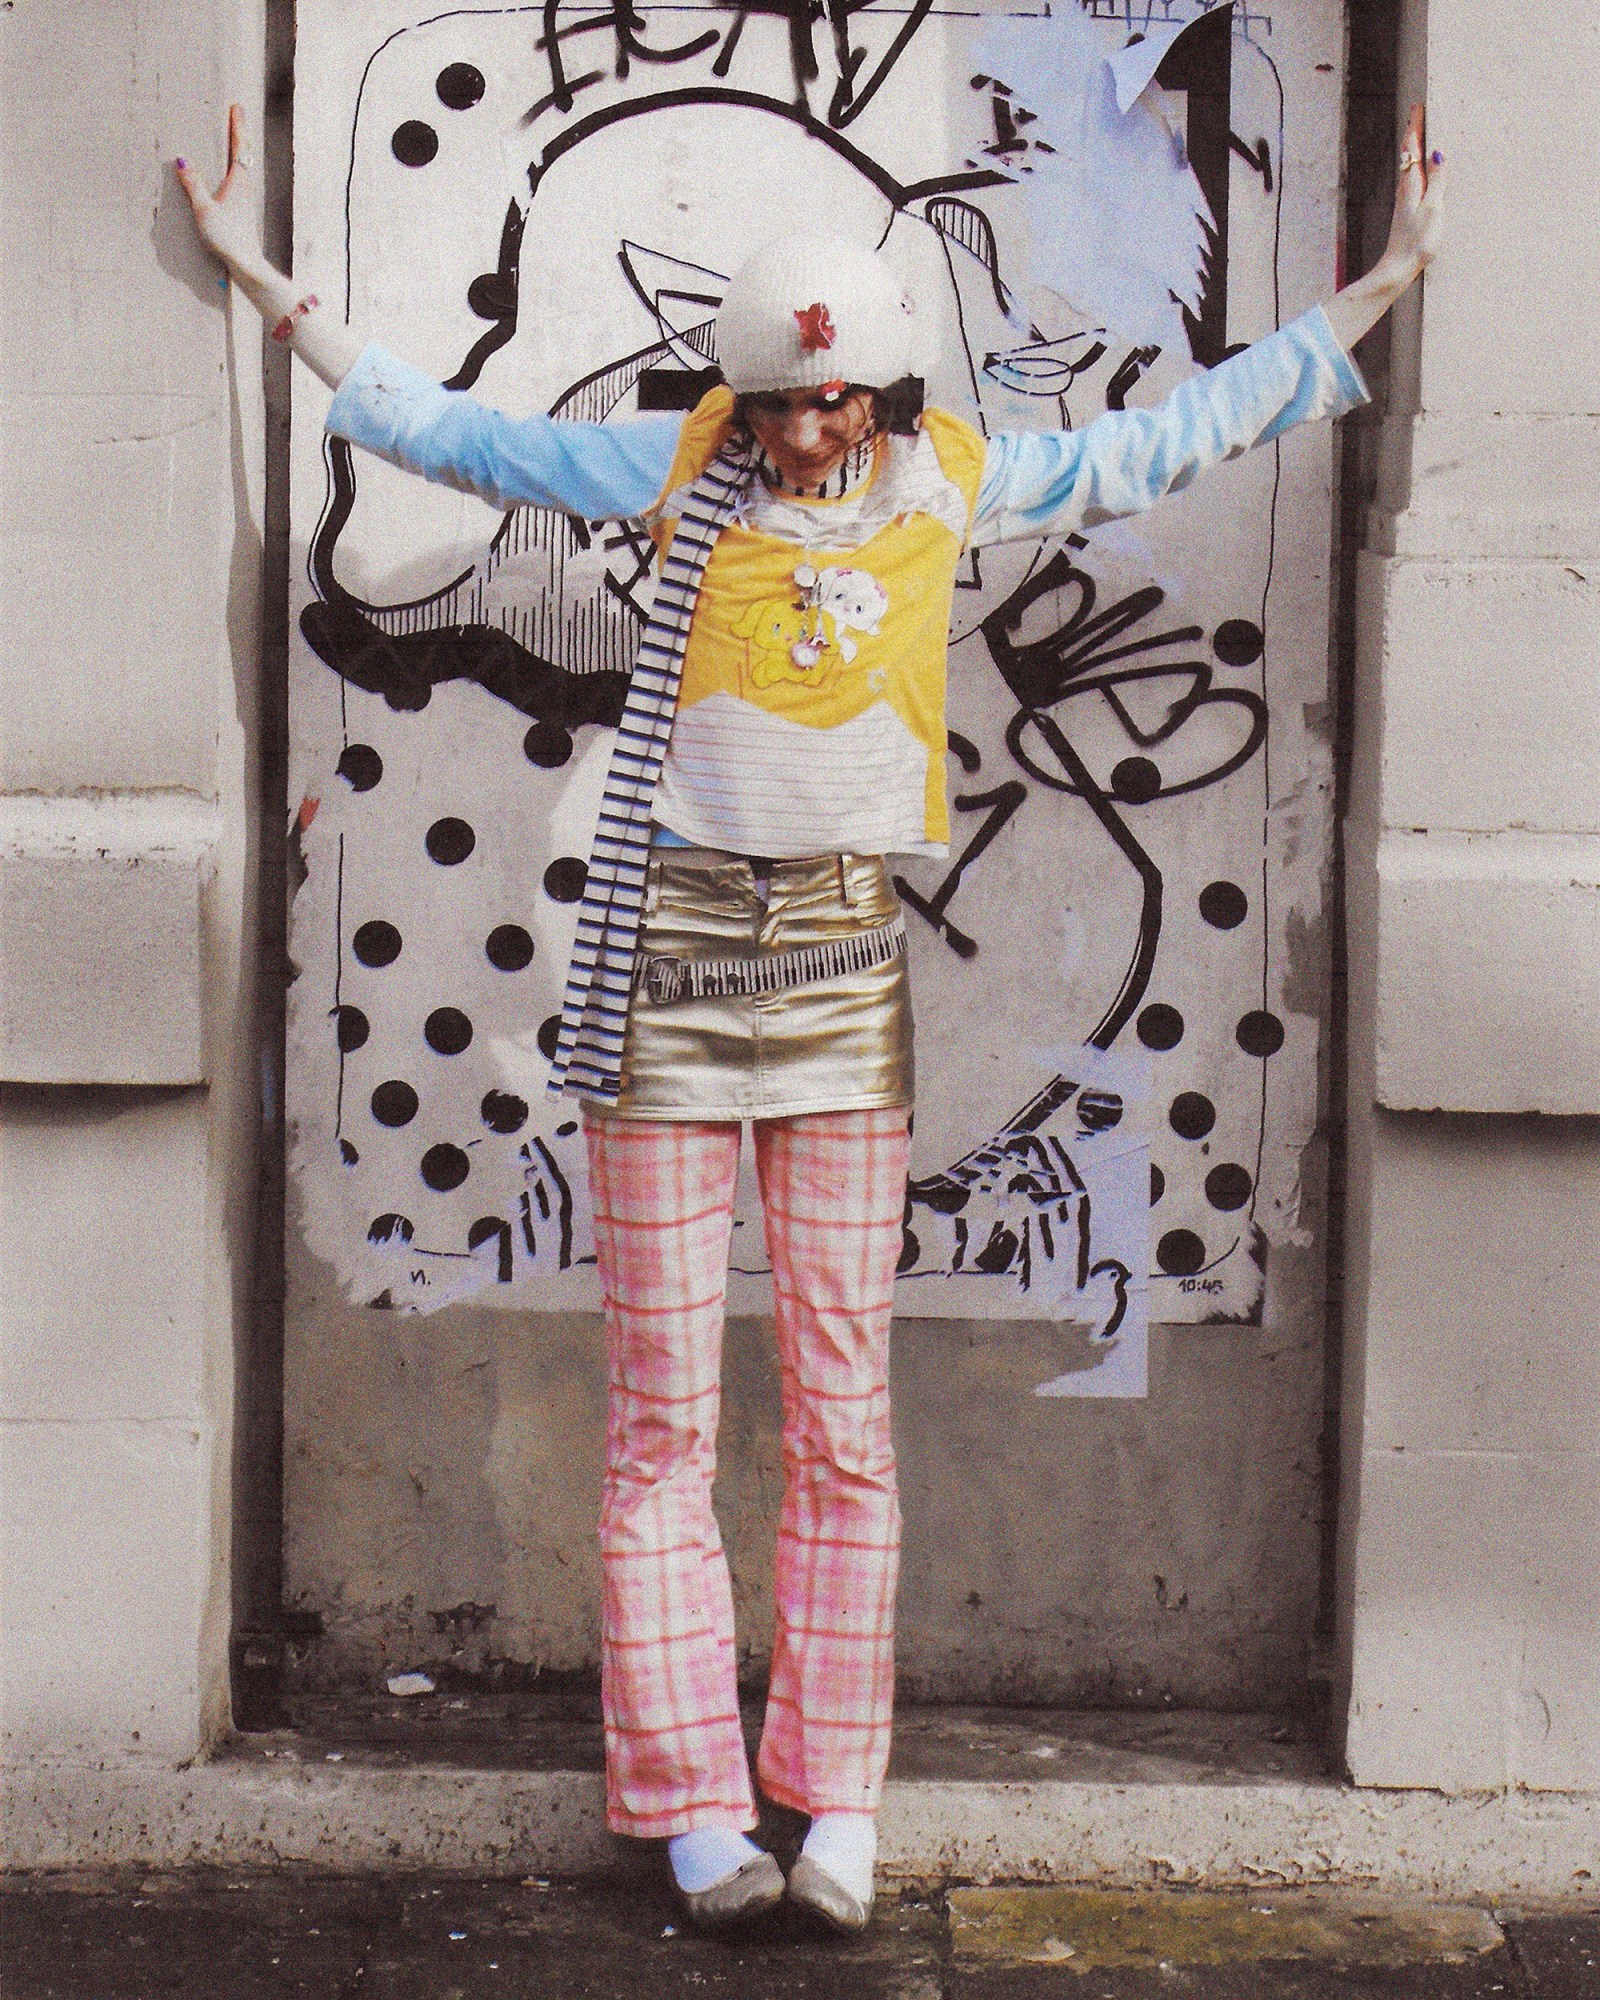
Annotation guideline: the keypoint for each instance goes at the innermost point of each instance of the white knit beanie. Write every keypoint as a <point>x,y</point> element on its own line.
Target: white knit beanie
<point>810,310</point>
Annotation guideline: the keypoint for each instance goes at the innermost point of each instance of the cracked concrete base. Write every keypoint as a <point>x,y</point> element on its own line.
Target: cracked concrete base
<point>1539,1846</point>
<point>343,1813</point>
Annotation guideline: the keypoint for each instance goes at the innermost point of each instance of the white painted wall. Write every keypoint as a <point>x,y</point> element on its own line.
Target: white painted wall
<point>131,556</point>
<point>1471,1510</point>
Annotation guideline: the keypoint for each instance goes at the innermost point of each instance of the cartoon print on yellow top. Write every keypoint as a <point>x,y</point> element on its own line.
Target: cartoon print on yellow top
<point>806,641</point>
<point>853,600</point>
<point>783,642</point>
<point>871,622</point>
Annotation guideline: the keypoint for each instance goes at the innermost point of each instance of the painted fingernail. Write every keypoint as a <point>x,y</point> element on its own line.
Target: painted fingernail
<point>1438,158</point>
<point>181,162</point>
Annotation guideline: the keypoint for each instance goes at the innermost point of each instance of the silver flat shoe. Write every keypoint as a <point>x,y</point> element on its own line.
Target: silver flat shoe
<point>746,1893</point>
<point>814,1889</point>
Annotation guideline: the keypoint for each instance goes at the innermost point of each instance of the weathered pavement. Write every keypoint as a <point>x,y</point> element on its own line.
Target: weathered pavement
<point>211,1935</point>
<point>502,1782</point>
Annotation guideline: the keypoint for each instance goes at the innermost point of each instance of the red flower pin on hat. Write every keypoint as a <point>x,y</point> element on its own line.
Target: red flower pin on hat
<point>816,327</point>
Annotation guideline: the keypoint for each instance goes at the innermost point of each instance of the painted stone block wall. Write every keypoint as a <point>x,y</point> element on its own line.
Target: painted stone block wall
<point>1121,960</point>
<point>130,558</point>
<point>1471,1502</point>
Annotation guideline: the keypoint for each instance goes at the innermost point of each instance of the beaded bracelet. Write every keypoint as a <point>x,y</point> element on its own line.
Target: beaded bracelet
<point>297,312</point>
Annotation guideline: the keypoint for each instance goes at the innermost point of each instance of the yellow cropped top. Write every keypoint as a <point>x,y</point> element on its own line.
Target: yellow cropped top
<point>811,716</point>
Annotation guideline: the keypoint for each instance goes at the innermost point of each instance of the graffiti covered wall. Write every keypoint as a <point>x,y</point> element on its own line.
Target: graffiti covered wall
<point>1117,1043</point>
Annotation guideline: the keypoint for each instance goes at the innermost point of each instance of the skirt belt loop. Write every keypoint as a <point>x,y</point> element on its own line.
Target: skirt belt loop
<point>847,885</point>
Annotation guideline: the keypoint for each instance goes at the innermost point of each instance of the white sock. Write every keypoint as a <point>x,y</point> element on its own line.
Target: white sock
<point>708,1855</point>
<point>845,1844</point>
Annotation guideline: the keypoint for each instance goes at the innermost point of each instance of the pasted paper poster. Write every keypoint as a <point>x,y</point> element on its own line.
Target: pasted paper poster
<point>1117,1039</point>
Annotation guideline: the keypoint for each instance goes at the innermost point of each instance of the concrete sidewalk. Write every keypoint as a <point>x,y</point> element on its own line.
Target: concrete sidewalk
<point>214,1935</point>
<point>469,1784</point>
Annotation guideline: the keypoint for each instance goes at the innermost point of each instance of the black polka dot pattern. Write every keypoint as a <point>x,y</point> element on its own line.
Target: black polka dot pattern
<point>348,1153</point>
<point>459,86</point>
<point>491,295</point>
<point>1228,1187</point>
<point>414,144</point>
<point>548,745</point>
<point>1135,781</point>
<point>450,841</point>
<point>1224,905</point>
<point>1238,641</point>
<point>376,943</point>
<point>410,699</point>
<point>466,1158</point>
<point>445,1167</point>
<point>1260,1033</point>
<point>508,948</point>
<point>1192,1115</point>
<point>360,766</point>
<point>1180,1253</point>
<point>394,1103</point>
<point>1098,1110</point>
<point>447,1031</point>
<point>564,879</point>
<point>504,1111</point>
<point>351,1027</point>
<point>1160,1026</point>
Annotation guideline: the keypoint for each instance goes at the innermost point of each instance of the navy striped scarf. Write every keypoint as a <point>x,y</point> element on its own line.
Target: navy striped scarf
<point>594,1010</point>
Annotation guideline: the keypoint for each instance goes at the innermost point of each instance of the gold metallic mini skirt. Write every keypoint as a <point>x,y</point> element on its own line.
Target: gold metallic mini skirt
<point>839,1044</point>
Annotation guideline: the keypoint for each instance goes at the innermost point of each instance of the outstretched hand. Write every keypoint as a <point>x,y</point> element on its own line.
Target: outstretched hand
<point>1414,233</point>
<point>228,227</point>
<point>1418,221</point>
<point>226,220</point>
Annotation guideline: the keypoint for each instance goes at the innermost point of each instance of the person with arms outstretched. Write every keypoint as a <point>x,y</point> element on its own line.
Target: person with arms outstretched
<point>741,955</point>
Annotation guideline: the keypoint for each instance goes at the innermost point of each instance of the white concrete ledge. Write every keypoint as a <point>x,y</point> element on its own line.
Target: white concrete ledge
<point>100,938</point>
<point>1520,484</point>
<point>349,1816</point>
<point>1480,677</point>
<point>1488,988</point>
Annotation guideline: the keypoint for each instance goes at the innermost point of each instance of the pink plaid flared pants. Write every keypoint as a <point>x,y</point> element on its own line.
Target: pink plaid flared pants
<point>833,1194</point>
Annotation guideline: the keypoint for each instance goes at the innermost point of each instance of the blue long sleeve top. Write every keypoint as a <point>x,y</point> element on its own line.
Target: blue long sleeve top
<point>1034,483</point>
